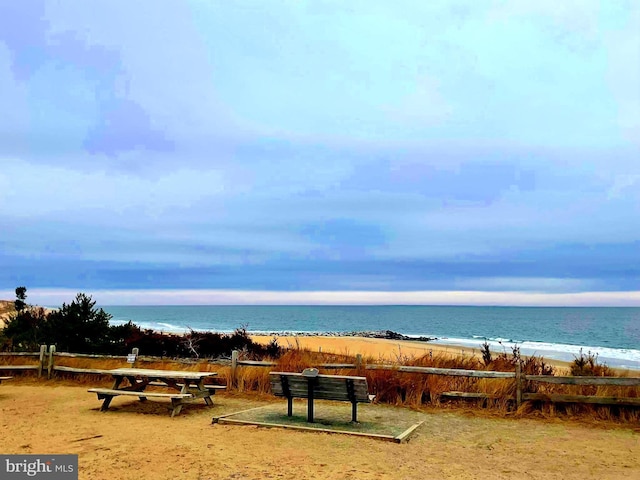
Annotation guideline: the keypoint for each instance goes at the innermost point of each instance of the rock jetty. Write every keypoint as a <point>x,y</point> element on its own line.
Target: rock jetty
<point>385,334</point>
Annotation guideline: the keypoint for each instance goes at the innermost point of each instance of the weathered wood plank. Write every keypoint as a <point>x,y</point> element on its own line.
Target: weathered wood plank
<point>328,390</point>
<point>193,385</point>
<point>469,395</point>
<point>294,375</point>
<point>455,372</point>
<point>52,351</point>
<point>223,420</point>
<point>41,358</point>
<point>132,393</point>
<point>185,375</point>
<point>559,398</point>
<point>404,436</point>
<point>337,366</point>
<point>256,363</point>
<point>19,354</point>
<point>613,381</point>
<point>89,355</point>
<point>97,371</point>
<point>328,385</point>
<point>18,367</point>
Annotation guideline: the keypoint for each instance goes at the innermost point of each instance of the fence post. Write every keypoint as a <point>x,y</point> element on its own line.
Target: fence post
<point>234,367</point>
<point>358,361</point>
<point>52,351</point>
<point>43,352</point>
<point>518,385</point>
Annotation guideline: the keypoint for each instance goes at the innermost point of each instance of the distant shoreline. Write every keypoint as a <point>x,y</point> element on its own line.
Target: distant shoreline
<point>376,348</point>
<point>383,334</point>
<point>392,345</point>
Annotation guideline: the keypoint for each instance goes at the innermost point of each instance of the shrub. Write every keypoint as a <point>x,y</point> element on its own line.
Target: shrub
<point>587,365</point>
<point>486,354</point>
<point>79,327</point>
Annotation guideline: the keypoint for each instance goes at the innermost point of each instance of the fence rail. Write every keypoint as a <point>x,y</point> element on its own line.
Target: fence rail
<point>47,362</point>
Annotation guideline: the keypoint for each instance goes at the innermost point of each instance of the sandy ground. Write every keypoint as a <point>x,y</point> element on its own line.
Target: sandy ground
<point>135,440</point>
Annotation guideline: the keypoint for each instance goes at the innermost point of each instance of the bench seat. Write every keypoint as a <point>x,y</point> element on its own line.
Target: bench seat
<point>108,392</point>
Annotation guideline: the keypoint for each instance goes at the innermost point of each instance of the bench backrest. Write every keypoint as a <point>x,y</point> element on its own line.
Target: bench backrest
<point>326,387</point>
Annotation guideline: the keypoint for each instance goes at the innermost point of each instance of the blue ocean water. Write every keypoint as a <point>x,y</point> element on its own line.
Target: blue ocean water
<point>553,332</point>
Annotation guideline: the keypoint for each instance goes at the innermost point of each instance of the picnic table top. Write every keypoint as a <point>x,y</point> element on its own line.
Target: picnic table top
<point>146,372</point>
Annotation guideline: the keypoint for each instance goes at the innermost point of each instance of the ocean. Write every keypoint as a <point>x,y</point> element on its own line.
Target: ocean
<point>612,333</point>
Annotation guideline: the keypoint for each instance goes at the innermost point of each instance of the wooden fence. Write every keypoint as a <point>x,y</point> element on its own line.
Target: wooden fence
<point>46,362</point>
<point>519,377</point>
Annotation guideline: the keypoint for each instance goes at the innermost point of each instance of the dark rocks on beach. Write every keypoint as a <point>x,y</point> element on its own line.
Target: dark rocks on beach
<point>385,334</point>
<point>391,335</point>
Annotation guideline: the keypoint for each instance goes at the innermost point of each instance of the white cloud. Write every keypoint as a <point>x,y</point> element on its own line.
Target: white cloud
<point>53,297</point>
<point>49,191</point>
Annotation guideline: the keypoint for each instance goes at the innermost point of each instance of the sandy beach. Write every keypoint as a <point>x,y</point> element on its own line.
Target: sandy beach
<point>379,349</point>
<point>375,348</point>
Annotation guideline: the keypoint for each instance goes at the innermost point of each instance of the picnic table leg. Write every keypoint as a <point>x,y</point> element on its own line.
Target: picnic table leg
<point>176,403</point>
<point>177,407</point>
<point>206,394</point>
<point>289,406</point>
<point>354,412</point>
<point>138,386</point>
<point>108,398</point>
<point>200,391</point>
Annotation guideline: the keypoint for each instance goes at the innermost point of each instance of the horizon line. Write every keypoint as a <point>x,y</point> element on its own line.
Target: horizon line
<point>220,297</point>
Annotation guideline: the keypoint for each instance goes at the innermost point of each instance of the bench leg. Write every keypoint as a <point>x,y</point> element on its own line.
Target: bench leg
<point>289,406</point>
<point>310,404</point>
<point>354,412</point>
<point>310,410</point>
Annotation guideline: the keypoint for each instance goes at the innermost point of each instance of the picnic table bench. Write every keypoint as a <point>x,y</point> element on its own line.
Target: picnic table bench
<point>5,378</point>
<point>310,385</point>
<point>189,385</point>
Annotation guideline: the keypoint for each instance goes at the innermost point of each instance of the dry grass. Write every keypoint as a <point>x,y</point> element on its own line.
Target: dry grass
<point>390,386</point>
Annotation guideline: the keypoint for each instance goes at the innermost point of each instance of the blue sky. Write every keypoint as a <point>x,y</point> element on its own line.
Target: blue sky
<point>321,152</point>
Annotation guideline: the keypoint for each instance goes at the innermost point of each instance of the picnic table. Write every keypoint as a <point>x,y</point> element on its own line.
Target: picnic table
<point>5,378</point>
<point>189,386</point>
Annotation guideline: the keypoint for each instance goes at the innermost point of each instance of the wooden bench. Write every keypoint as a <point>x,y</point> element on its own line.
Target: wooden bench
<point>5,378</point>
<point>310,385</point>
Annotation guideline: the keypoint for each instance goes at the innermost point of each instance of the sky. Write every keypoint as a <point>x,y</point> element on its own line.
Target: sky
<point>442,152</point>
